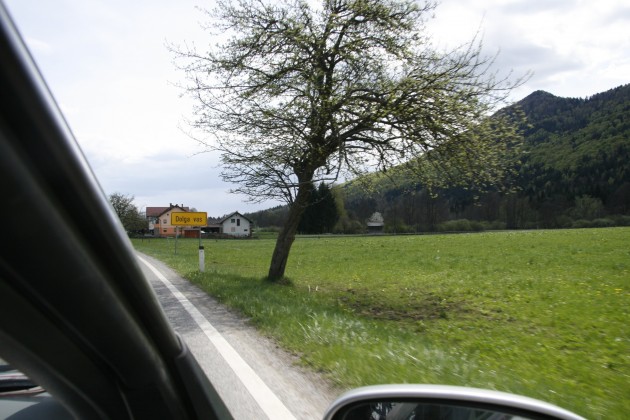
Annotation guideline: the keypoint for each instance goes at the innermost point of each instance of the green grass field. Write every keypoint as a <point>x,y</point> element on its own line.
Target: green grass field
<point>539,313</point>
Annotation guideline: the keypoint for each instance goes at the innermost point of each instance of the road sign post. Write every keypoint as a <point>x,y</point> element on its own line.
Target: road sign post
<point>192,219</point>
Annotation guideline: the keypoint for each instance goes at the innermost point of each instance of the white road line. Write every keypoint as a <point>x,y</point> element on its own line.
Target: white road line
<point>264,397</point>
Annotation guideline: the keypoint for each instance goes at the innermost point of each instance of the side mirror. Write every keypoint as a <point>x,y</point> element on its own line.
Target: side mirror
<point>424,402</point>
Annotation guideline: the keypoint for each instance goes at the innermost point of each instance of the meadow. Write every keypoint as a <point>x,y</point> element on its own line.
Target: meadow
<point>538,313</point>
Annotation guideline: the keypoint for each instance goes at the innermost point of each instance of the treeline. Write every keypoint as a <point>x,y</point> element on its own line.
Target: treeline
<point>574,172</point>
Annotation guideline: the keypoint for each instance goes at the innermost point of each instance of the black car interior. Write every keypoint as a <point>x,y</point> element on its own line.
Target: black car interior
<point>76,314</point>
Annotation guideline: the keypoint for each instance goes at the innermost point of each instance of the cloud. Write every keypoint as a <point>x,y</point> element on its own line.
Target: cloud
<point>107,65</point>
<point>534,6</point>
<point>162,178</point>
<point>571,47</point>
<point>617,15</point>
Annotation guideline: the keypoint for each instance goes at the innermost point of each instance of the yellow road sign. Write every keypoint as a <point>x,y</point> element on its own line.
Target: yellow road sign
<point>188,218</point>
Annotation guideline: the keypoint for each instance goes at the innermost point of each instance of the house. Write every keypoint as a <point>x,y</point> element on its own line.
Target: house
<point>159,219</point>
<point>236,225</point>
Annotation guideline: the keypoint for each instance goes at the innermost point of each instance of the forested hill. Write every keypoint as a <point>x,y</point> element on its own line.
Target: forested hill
<point>578,147</point>
<point>575,170</point>
<point>577,125</point>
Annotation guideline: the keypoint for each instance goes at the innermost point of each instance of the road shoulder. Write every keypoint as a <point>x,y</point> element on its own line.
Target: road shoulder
<point>303,392</point>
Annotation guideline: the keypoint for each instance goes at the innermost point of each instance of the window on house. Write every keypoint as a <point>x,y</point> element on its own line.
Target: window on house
<point>164,221</point>
<point>164,231</point>
<point>233,229</point>
<point>232,221</point>
<point>238,222</point>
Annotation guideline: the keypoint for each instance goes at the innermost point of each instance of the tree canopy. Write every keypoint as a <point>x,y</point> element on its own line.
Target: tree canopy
<point>298,94</point>
<point>127,212</point>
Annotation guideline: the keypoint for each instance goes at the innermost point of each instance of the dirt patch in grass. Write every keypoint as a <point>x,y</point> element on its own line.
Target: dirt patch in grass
<point>429,306</point>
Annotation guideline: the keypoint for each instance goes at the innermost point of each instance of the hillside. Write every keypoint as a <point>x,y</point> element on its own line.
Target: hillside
<point>575,168</point>
<point>578,147</point>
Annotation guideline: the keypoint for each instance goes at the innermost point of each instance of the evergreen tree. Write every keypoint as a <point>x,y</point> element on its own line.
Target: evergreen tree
<point>328,213</point>
<point>321,215</point>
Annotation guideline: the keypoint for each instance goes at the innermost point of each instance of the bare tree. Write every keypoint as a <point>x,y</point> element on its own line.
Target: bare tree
<point>300,94</point>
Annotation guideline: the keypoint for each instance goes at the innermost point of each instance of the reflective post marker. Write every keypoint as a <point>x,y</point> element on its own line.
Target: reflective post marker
<point>202,266</point>
<point>201,259</point>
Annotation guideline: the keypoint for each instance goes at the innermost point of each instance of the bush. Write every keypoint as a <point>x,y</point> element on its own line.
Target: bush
<point>348,226</point>
<point>398,228</point>
<point>603,223</point>
<point>621,220</point>
<point>460,225</point>
<point>597,223</point>
<point>494,225</point>
<point>476,226</point>
<point>531,225</point>
<point>565,221</point>
<point>581,224</point>
<point>274,229</point>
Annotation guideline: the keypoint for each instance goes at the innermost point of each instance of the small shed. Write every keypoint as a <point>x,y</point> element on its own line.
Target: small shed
<point>213,226</point>
<point>375,223</point>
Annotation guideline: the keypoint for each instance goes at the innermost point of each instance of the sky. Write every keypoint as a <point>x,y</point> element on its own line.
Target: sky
<point>107,64</point>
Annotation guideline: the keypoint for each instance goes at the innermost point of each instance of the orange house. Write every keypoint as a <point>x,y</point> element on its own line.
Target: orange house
<point>159,219</point>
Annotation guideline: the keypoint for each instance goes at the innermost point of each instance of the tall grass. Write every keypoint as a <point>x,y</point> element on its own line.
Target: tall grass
<point>539,313</point>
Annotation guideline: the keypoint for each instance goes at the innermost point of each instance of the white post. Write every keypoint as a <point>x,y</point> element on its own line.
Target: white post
<point>201,259</point>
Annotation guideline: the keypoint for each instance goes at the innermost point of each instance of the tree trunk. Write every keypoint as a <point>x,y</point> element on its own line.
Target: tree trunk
<point>287,234</point>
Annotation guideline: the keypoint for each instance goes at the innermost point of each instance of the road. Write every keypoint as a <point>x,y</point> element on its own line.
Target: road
<point>255,378</point>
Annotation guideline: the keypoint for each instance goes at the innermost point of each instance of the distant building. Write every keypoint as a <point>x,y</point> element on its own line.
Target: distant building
<point>213,226</point>
<point>159,220</point>
<point>375,223</point>
<point>234,225</point>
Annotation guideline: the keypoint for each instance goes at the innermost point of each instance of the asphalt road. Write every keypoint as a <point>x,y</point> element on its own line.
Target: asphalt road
<point>255,378</point>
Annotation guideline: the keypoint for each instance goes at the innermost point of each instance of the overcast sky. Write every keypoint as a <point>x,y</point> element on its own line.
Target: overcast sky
<point>107,65</point>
